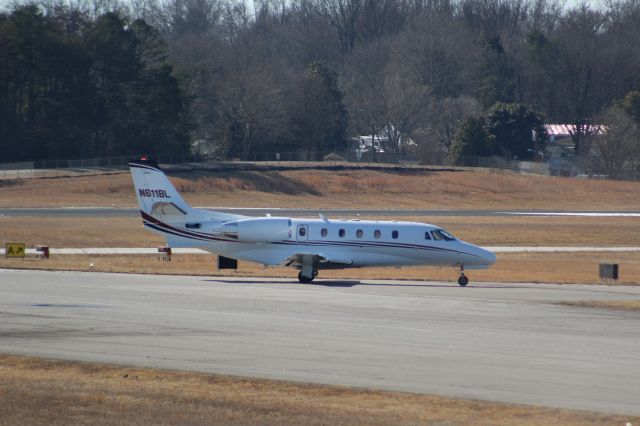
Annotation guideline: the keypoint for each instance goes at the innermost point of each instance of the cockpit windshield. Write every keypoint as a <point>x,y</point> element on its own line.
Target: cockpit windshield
<point>441,234</point>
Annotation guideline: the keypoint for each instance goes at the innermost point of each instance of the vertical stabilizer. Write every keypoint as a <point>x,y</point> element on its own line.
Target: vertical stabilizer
<point>156,195</point>
<point>158,198</point>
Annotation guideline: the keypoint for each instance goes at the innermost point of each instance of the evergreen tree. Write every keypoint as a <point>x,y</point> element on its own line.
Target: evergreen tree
<point>70,88</point>
<point>319,117</point>
<point>631,105</point>
<point>471,140</point>
<point>515,130</point>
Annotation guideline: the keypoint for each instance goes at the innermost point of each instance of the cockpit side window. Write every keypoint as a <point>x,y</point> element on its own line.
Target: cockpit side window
<point>441,234</point>
<point>447,236</point>
<point>427,236</point>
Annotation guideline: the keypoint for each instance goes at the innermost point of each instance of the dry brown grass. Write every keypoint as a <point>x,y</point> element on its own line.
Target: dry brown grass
<point>35,391</point>
<point>340,189</point>
<point>518,231</point>
<point>622,305</point>
<point>498,231</point>
<point>361,189</point>
<point>78,232</point>
<point>520,267</point>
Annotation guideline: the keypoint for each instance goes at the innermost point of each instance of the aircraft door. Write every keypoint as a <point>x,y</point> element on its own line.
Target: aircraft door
<point>303,233</point>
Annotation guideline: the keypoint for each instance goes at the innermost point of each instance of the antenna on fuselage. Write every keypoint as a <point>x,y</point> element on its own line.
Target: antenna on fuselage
<point>322,217</point>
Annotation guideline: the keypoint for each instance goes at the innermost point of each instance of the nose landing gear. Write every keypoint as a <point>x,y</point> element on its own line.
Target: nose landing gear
<point>463,280</point>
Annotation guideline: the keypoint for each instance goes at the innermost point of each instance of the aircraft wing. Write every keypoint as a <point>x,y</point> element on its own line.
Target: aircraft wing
<point>295,261</point>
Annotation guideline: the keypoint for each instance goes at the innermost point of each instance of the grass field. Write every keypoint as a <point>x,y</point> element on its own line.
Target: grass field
<point>340,189</point>
<point>495,231</point>
<point>521,267</point>
<point>508,231</point>
<point>35,391</point>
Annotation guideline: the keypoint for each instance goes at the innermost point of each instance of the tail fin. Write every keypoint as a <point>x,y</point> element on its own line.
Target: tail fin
<point>155,193</point>
<point>157,197</point>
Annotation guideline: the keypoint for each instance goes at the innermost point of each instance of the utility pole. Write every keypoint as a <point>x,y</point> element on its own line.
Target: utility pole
<point>373,133</point>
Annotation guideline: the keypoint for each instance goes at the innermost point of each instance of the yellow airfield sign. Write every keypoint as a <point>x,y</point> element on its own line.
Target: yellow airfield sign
<point>15,250</point>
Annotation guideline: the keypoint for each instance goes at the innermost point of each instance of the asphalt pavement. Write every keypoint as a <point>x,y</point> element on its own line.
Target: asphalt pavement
<point>490,341</point>
<point>131,211</point>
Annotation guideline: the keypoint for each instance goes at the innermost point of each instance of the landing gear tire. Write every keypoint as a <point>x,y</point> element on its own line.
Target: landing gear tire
<point>306,280</point>
<point>463,280</point>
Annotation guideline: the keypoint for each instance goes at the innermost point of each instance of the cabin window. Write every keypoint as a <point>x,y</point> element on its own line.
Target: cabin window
<point>427,236</point>
<point>359,233</point>
<point>324,232</point>
<point>377,233</point>
<point>341,233</point>
<point>302,231</point>
<point>394,235</point>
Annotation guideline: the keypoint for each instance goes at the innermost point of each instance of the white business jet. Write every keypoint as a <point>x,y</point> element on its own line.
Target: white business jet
<point>305,244</point>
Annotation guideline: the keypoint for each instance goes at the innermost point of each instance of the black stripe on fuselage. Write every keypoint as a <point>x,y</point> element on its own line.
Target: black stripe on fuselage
<point>373,244</point>
<point>158,225</point>
<point>161,226</point>
<point>166,231</point>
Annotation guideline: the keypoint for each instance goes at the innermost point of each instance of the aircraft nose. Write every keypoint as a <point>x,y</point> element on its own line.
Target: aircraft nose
<point>488,256</point>
<point>479,256</point>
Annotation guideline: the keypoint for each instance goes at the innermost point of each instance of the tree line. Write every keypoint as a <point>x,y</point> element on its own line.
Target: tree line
<point>457,77</point>
<point>74,87</point>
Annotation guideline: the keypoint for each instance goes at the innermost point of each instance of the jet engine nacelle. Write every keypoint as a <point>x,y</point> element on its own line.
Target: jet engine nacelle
<point>258,230</point>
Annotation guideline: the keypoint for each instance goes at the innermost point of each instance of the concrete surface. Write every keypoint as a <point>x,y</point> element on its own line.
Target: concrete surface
<point>332,213</point>
<point>503,342</point>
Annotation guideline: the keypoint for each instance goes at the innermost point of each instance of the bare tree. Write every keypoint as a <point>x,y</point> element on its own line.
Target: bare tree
<point>581,58</point>
<point>343,16</point>
<point>616,151</point>
<point>443,117</point>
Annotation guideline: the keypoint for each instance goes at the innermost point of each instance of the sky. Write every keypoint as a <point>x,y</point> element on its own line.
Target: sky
<point>593,3</point>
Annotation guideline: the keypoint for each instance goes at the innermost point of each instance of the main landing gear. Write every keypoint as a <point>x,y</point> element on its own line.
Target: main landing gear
<point>308,269</point>
<point>463,280</point>
<point>306,280</point>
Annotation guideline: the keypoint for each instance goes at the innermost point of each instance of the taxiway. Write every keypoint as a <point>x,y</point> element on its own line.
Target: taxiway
<point>490,341</point>
<point>131,211</point>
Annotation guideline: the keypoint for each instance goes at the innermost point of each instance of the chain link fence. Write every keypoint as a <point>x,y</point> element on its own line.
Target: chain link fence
<point>62,168</point>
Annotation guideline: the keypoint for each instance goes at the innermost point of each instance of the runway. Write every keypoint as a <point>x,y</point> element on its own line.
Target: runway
<point>332,213</point>
<point>502,342</point>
